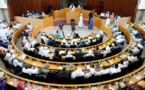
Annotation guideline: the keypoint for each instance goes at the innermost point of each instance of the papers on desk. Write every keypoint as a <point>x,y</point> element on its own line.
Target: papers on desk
<point>123,56</point>
<point>137,77</point>
<point>131,82</point>
<point>122,84</point>
<point>11,83</point>
<point>88,67</point>
<point>94,88</point>
<point>23,56</point>
<point>111,62</point>
<point>61,52</point>
<point>60,67</point>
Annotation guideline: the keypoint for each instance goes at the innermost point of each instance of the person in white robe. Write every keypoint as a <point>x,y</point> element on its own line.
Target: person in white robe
<point>72,7</point>
<point>30,26</point>
<point>17,62</point>
<point>77,73</point>
<point>3,35</point>
<point>107,22</point>
<point>81,24</point>
<point>2,25</point>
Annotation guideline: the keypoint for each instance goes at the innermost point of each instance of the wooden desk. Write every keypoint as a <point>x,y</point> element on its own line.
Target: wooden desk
<point>55,65</point>
<point>100,23</point>
<point>72,15</point>
<point>43,23</point>
<point>46,86</point>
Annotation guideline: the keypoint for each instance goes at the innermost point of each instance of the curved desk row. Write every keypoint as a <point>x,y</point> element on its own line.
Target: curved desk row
<point>106,30</point>
<point>62,13</point>
<point>57,65</point>
<point>48,86</point>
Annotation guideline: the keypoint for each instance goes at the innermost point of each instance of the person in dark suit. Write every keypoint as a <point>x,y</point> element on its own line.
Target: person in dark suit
<point>85,7</point>
<point>64,73</point>
<point>90,16</point>
<point>78,53</point>
<point>57,55</point>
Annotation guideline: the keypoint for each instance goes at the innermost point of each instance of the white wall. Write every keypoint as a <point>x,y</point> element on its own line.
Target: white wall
<point>4,15</point>
<point>143,18</point>
<point>3,4</point>
<point>1,15</point>
<point>141,4</point>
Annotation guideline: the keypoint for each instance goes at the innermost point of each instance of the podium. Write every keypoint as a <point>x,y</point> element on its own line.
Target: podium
<point>72,15</point>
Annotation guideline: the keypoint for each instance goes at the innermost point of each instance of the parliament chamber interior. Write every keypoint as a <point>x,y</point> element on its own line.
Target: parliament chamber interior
<point>72,45</point>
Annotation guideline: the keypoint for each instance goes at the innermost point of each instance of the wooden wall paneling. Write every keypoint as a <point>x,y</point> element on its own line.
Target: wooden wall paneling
<point>93,4</point>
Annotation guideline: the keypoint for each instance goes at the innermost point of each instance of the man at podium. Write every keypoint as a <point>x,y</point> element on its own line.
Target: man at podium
<point>72,7</point>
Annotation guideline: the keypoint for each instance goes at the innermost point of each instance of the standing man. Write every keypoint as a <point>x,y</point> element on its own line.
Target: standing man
<point>81,24</point>
<point>90,16</point>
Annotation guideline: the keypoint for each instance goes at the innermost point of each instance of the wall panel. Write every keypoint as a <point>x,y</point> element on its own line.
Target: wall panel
<point>124,7</point>
<point>17,7</point>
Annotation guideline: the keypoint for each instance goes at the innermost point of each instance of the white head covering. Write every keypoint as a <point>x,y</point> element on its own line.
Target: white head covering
<point>24,38</point>
<point>90,52</point>
<point>45,48</point>
<point>113,44</point>
<point>1,74</point>
<point>92,71</point>
<point>101,32</point>
<point>140,46</point>
<point>69,53</point>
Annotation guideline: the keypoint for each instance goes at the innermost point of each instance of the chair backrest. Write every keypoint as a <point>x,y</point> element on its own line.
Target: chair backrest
<point>80,79</point>
<point>69,59</point>
<point>72,46</point>
<point>88,58</point>
<point>55,58</point>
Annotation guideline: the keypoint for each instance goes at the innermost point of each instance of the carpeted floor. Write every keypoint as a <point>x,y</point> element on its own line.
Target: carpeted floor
<point>68,31</point>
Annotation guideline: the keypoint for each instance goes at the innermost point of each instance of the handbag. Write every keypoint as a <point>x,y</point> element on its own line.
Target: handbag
<point>3,85</point>
<point>21,85</point>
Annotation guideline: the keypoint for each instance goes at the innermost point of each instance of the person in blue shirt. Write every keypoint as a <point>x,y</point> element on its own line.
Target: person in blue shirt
<point>5,22</point>
<point>91,24</point>
<point>58,35</point>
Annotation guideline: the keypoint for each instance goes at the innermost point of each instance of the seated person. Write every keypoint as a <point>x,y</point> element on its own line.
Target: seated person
<point>97,52</point>
<point>64,42</point>
<point>26,69</point>
<point>132,58</point>
<point>35,70</point>
<point>57,55</point>
<point>76,35</point>
<point>18,25</point>
<point>78,53</point>
<point>24,40</point>
<point>44,38</point>
<point>43,13</point>
<point>82,43</point>
<point>121,65</point>
<point>17,63</point>
<point>114,70</point>
<point>15,27</point>
<point>112,15</point>
<point>90,53</point>
<point>30,26</point>
<point>103,71</point>
<point>41,16</point>
<point>143,26</point>
<point>77,73</point>
<point>58,35</point>
<point>64,73</point>
<point>106,51</point>
<point>135,50</point>
<point>70,55</point>
<point>107,14</point>
<point>91,73</point>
